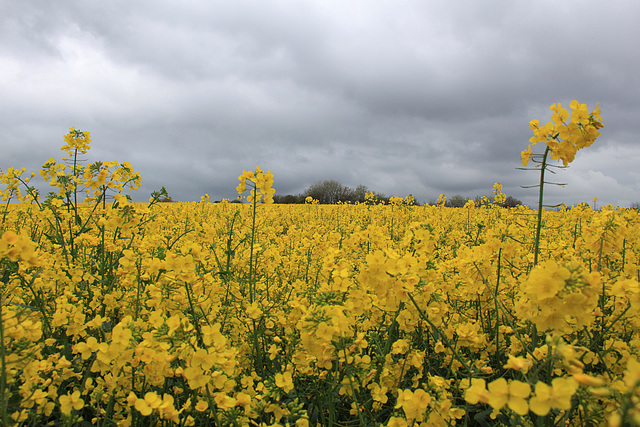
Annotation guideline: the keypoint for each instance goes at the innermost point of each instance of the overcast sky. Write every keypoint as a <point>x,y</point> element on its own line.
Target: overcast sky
<point>404,96</point>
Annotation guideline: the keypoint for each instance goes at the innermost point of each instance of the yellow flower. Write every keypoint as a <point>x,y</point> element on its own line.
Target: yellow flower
<point>564,139</point>
<point>150,402</point>
<point>224,402</point>
<point>76,140</point>
<point>560,115</point>
<point>558,396</point>
<point>255,196</point>
<point>253,311</point>
<point>477,392</point>
<point>242,399</point>
<point>526,155</point>
<point>284,381</point>
<point>10,237</point>
<point>86,348</point>
<point>518,364</point>
<point>588,380</point>
<point>71,401</point>
<point>413,403</point>
<point>263,182</point>
<point>261,187</point>
<point>379,394</point>
<point>196,377</point>
<point>540,403</point>
<point>513,394</point>
<point>400,347</point>
<point>243,181</point>
<point>202,406</point>
<point>166,410</point>
<point>579,113</point>
<point>143,407</point>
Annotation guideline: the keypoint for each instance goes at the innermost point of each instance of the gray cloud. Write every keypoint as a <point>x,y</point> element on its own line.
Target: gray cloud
<point>404,97</point>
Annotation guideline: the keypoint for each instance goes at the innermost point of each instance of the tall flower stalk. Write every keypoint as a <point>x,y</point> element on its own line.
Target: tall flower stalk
<point>260,184</point>
<point>564,135</point>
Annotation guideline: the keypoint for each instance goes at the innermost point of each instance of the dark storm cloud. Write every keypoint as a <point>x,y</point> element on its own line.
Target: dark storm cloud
<point>421,97</point>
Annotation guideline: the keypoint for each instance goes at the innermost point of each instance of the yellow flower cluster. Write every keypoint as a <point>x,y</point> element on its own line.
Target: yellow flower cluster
<point>518,396</point>
<point>566,133</point>
<point>560,298</point>
<point>93,180</point>
<point>18,248</point>
<point>76,140</point>
<point>12,181</point>
<point>261,183</point>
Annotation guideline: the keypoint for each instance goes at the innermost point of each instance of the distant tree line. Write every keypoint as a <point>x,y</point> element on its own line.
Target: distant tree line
<point>459,201</point>
<point>332,191</point>
<point>329,192</point>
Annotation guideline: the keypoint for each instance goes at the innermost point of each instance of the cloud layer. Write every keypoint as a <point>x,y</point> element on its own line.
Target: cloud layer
<point>404,97</point>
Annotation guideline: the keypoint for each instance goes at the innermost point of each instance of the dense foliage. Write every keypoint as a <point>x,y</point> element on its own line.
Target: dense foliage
<point>336,314</point>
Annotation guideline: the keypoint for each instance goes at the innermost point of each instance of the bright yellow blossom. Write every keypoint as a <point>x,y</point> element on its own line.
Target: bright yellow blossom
<point>284,381</point>
<point>69,402</point>
<point>413,403</point>
<point>558,396</point>
<point>477,392</point>
<point>513,394</point>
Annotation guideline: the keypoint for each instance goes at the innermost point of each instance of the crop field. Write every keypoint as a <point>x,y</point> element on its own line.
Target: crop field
<point>120,313</point>
<point>341,315</point>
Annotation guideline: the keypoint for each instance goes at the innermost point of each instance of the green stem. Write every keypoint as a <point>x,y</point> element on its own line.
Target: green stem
<point>75,187</point>
<point>536,251</point>
<point>259,363</point>
<point>6,211</point>
<point>253,236</point>
<point>437,334</point>
<point>39,302</point>
<point>196,321</point>
<point>600,253</point>
<point>506,315</point>
<point>497,306</point>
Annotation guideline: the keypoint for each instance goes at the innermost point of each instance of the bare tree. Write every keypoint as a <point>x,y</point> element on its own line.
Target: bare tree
<point>329,191</point>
